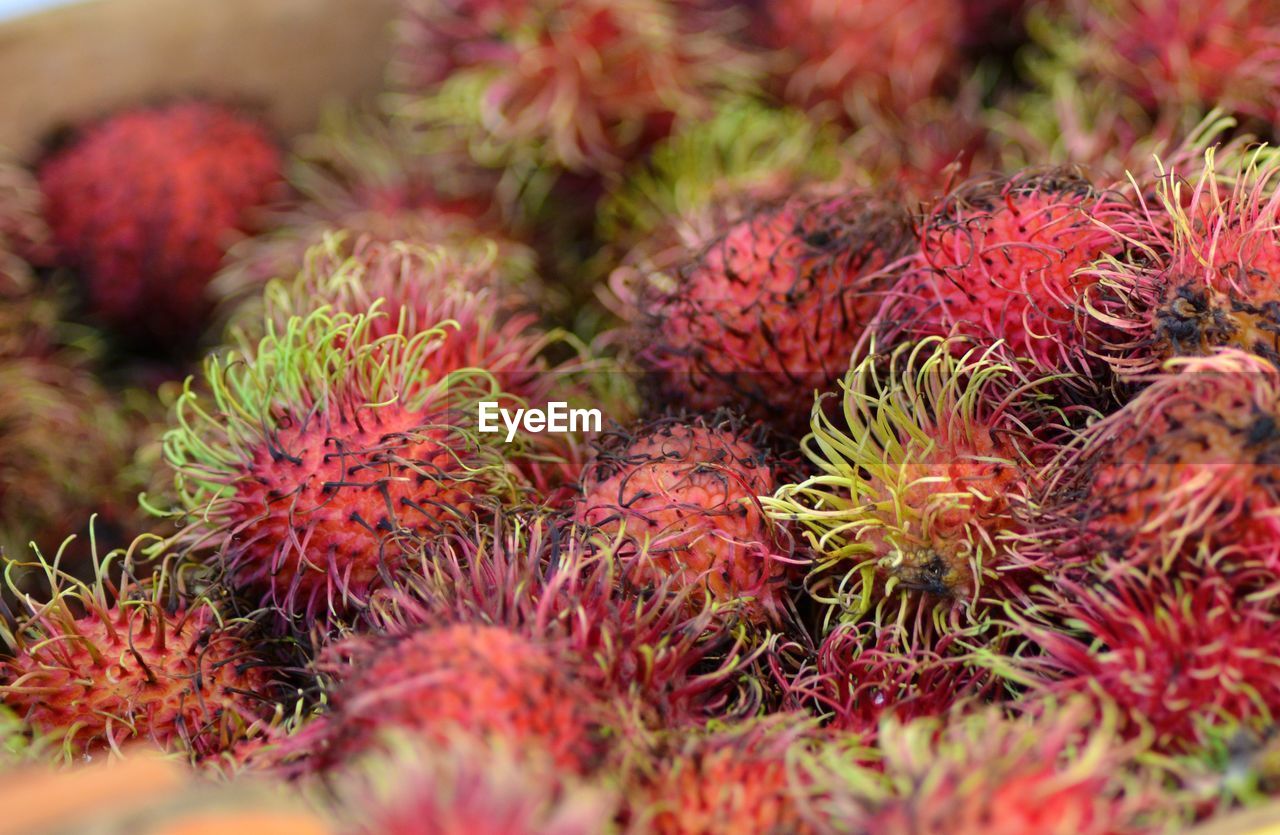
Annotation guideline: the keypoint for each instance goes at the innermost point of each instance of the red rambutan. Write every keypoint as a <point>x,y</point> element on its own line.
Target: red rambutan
<point>673,664</point>
<point>865,57</point>
<point>1202,272</point>
<point>770,311</point>
<point>1188,469</point>
<point>326,445</point>
<point>1195,55</point>
<point>1060,772</point>
<point>1002,261</point>
<point>864,673</point>
<point>484,681</point>
<point>144,204</point>
<point>1177,653</point>
<point>738,779</point>
<point>101,664</point>
<point>683,495</point>
<point>581,84</point>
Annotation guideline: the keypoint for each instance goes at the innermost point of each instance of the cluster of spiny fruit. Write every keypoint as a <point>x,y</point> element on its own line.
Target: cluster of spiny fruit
<point>939,344</point>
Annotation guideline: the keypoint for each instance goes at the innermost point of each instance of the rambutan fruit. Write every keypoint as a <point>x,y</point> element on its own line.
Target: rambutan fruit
<point>866,57</point>
<point>325,445</point>
<point>682,494</point>
<point>366,179</point>
<point>923,478</point>
<point>736,779</point>
<point>105,662</point>
<point>705,176</point>
<point>1188,470</point>
<point>673,664</point>
<point>1190,55</point>
<point>864,673</point>
<point>769,311</point>
<point>144,203</point>
<point>1178,653</point>
<point>473,790</point>
<point>1001,261</point>
<point>488,682</point>
<point>1061,772</point>
<point>482,317</point>
<point>580,85</point>
<point>1202,271</point>
<point>63,450</point>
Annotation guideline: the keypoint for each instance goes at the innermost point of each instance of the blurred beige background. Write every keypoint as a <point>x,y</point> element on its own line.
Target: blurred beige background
<point>85,59</point>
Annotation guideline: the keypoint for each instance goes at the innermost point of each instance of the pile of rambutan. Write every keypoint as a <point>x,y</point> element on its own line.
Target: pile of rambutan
<point>659,416</point>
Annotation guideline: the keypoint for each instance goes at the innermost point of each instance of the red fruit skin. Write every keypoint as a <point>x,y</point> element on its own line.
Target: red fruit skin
<point>864,673</point>
<point>737,780</point>
<point>1191,465</point>
<point>1194,55</point>
<point>1175,653</point>
<point>864,57</point>
<point>144,204</point>
<point>685,496</point>
<point>318,508</point>
<point>770,311</point>
<point>1002,260</point>
<point>481,681</point>
<point>180,680</point>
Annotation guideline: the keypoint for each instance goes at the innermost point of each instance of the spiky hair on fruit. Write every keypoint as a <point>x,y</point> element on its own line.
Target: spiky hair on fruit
<point>63,449</point>
<point>484,314</point>
<point>1177,652</point>
<point>126,656</point>
<point>674,664</point>
<point>144,203</point>
<point>728,778</point>
<point>317,449</point>
<point>1187,471</point>
<point>1166,53</point>
<point>364,177</point>
<point>681,495</point>
<point>769,311</point>
<point>705,176</point>
<point>1202,271</point>
<point>1001,260</point>
<point>860,59</point>
<point>471,789</point>
<point>925,469</point>
<point>580,85</point>
<point>863,673</point>
<point>1062,771</point>
<point>487,682</point>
